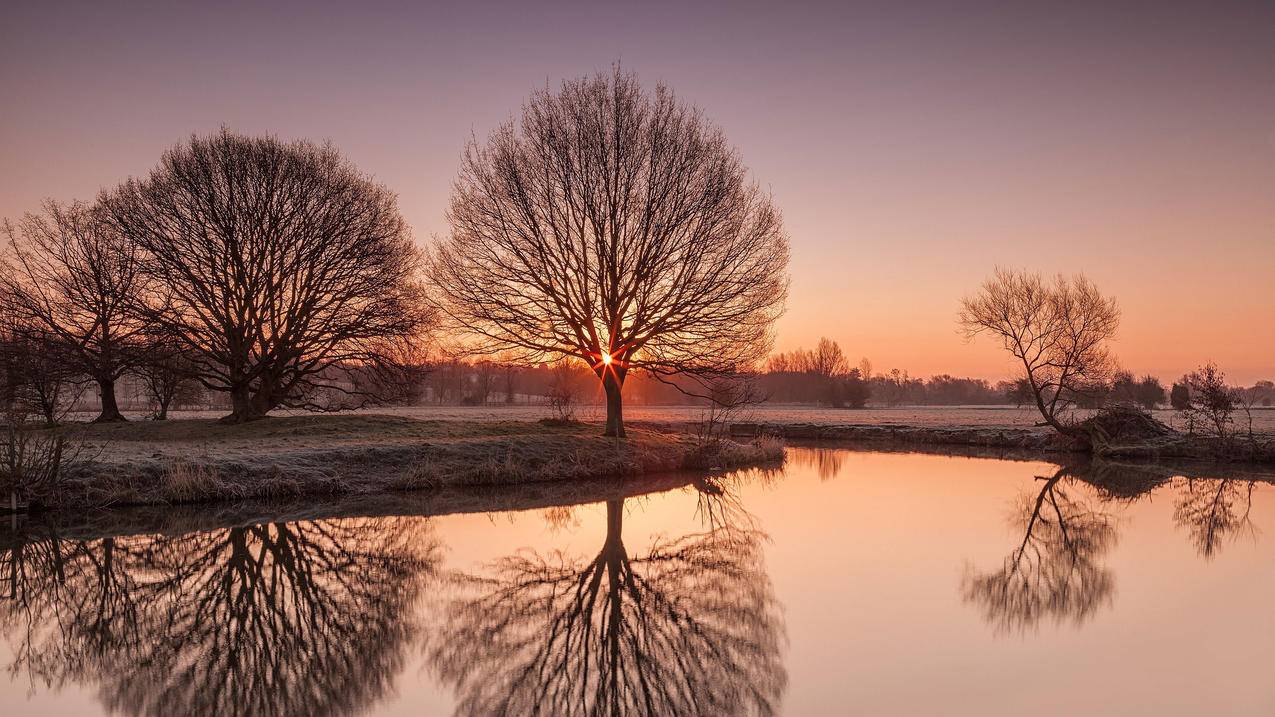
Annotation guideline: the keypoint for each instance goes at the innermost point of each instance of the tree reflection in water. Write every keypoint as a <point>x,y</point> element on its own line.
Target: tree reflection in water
<point>690,628</point>
<point>1056,572</point>
<point>311,617</point>
<point>1213,510</point>
<point>826,462</point>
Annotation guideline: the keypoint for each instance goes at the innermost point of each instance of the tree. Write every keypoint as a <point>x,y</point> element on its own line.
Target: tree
<point>1149,392</point>
<point>1180,397</point>
<point>829,363</point>
<point>71,275</point>
<point>1019,392</point>
<point>47,378</point>
<point>1210,401</point>
<point>282,268</point>
<point>852,390</point>
<point>168,376</point>
<point>1057,330</point>
<point>616,227</point>
<point>1124,388</point>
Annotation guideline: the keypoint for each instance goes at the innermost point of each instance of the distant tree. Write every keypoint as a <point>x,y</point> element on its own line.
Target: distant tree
<point>281,266</point>
<point>72,276</point>
<point>1149,392</point>
<point>865,369</point>
<point>168,376</point>
<point>852,390</point>
<point>1019,392</point>
<point>829,363</point>
<point>894,386</point>
<point>616,227</point>
<point>510,385</point>
<point>1180,397</point>
<point>1124,388</point>
<point>46,376</point>
<point>1057,330</point>
<point>1212,402</point>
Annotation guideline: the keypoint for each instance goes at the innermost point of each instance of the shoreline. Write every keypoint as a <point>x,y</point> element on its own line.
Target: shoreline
<point>201,461</point>
<point>358,455</point>
<point>1258,450</point>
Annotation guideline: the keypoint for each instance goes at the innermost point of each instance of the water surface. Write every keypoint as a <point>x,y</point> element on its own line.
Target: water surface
<point>845,583</point>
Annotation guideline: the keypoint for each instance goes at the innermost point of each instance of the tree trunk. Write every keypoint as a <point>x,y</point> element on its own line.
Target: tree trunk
<point>613,384</point>
<point>242,407</point>
<point>110,407</point>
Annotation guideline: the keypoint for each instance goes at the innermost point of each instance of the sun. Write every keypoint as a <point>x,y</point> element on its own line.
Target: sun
<point>606,358</point>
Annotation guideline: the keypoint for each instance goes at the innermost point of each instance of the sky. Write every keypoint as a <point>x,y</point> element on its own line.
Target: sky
<point>911,149</point>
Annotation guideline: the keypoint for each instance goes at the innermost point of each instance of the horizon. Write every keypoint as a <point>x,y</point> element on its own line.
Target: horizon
<point>909,150</point>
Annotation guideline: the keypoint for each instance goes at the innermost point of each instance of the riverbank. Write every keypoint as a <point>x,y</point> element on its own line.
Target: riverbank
<point>187,461</point>
<point>1256,449</point>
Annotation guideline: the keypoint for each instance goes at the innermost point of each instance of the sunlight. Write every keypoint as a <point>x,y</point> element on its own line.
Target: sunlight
<point>606,358</point>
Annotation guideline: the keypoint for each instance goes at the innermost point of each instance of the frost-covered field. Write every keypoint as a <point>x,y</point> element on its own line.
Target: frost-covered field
<point>923,416</point>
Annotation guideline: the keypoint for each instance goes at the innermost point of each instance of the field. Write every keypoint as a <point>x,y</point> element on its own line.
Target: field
<point>918,416</point>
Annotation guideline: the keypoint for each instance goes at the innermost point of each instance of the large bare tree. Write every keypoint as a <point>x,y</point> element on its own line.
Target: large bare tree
<point>282,267</point>
<point>618,227</point>
<point>1058,331</point>
<point>70,275</point>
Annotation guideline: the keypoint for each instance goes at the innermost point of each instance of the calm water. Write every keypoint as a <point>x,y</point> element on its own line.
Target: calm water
<point>846,583</point>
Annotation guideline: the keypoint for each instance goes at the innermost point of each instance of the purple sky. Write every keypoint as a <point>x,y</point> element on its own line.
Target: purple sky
<point>911,149</point>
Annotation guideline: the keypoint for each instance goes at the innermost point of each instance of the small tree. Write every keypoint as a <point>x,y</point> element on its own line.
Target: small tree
<point>1149,393</point>
<point>853,391</point>
<point>1180,397</point>
<point>72,276</point>
<point>47,377</point>
<point>615,227</point>
<point>1212,402</point>
<point>1057,330</point>
<point>169,377</point>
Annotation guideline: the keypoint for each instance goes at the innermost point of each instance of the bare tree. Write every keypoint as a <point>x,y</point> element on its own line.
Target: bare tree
<point>47,379</point>
<point>169,376</point>
<point>283,266</point>
<point>618,227</point>
<point>1210,402</point>
<point>1057,330</point>
<point>71,275</point>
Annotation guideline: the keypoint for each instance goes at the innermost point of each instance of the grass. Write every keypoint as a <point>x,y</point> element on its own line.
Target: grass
<point>185,461</point>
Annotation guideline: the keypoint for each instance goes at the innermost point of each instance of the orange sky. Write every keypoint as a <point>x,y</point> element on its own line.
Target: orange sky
<point>911,149</point>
